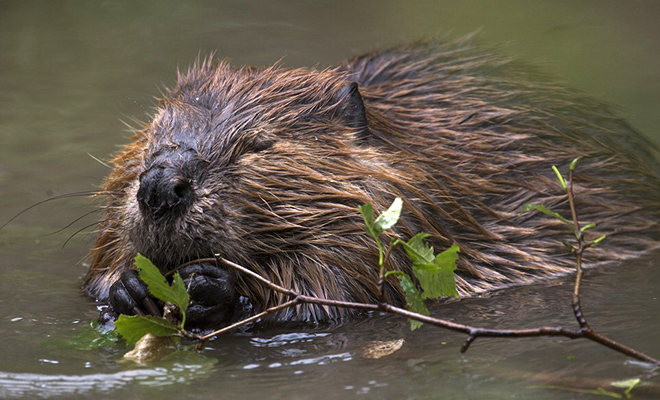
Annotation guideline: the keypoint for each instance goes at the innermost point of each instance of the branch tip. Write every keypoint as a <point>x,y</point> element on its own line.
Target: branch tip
<point>468,341</point>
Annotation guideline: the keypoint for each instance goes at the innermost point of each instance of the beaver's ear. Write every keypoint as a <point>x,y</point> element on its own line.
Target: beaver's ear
<point>351,109</point>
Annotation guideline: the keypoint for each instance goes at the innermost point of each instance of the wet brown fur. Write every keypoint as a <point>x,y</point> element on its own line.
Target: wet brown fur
<point>465,136</point>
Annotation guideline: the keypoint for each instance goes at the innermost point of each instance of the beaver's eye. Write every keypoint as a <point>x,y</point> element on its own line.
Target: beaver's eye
<point>249,143</point>
<point>260,145</point>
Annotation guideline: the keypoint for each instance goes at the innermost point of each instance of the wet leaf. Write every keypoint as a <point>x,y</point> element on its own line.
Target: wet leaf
<point>90,337</point>
<point>150,348</point>
<point>598,391</point>
<point>133,328</point>
<point>379,349</point>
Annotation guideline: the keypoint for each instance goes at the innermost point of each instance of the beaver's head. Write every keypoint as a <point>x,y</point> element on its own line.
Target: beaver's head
<point>252,164</point>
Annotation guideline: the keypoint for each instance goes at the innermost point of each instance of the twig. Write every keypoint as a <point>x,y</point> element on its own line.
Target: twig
<point>471,331</point>
<point>381,273</point>
<point>255,317</point>
<point>575,298</point>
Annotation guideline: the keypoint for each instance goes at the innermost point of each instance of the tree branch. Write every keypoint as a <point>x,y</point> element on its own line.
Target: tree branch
<point>472,332</point>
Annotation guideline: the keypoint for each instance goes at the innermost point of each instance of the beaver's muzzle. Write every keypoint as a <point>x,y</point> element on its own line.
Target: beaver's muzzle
<point>164,191</point>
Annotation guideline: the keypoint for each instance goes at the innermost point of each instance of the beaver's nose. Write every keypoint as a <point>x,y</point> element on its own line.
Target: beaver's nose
<point>164,190</point>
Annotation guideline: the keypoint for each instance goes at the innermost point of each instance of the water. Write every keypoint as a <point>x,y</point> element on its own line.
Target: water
<point>71,71</point>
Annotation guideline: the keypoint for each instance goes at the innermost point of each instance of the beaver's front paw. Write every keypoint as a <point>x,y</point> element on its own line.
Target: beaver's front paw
<point>213,299</point>
<point>130,296</point>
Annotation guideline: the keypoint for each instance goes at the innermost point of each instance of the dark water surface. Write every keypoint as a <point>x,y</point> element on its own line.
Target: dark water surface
<point>71,71</point>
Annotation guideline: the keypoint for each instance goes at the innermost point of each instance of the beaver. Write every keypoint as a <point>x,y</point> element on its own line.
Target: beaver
<point>267,167</point>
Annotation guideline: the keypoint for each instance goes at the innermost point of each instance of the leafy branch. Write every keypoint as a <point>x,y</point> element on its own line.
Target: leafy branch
<point>132,328</point>
<point>433,273</point>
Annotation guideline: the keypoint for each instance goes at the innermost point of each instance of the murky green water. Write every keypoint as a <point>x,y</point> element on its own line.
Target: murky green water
<point>70,71</point>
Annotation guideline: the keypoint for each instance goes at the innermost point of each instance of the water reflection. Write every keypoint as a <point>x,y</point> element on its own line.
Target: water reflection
<point>27,385</point>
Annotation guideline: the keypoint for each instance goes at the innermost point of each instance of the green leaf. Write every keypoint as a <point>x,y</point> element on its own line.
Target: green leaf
<point>180,296</point>
<point>435,274</point>
<point>597,241</point>
<point>385,220</point>
<point>417,250</point>
<point>414,302</point>
<point>548,212</point>
<point>389,218</point>
<point>158,286</point>
<point>574,164</point>
<point>443,283</point>
<point>367,212</point>
<point>560,177</point>
<point>628,384</point>
<point>132,328</point>
<point>156,282</point>
<point>589,226</point>
<point>96,336</point>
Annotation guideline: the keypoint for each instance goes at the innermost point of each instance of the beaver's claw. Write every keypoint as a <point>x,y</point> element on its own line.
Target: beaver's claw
<point>129,295</point>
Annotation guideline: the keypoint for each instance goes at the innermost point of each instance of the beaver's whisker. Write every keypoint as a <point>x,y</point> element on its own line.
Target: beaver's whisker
<point>74,221</point>
<point>87,193</point>
<point>78,231</point>
<point>99,161</point>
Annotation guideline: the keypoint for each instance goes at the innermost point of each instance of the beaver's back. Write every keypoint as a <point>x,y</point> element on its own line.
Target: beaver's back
<point>484,132</point>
